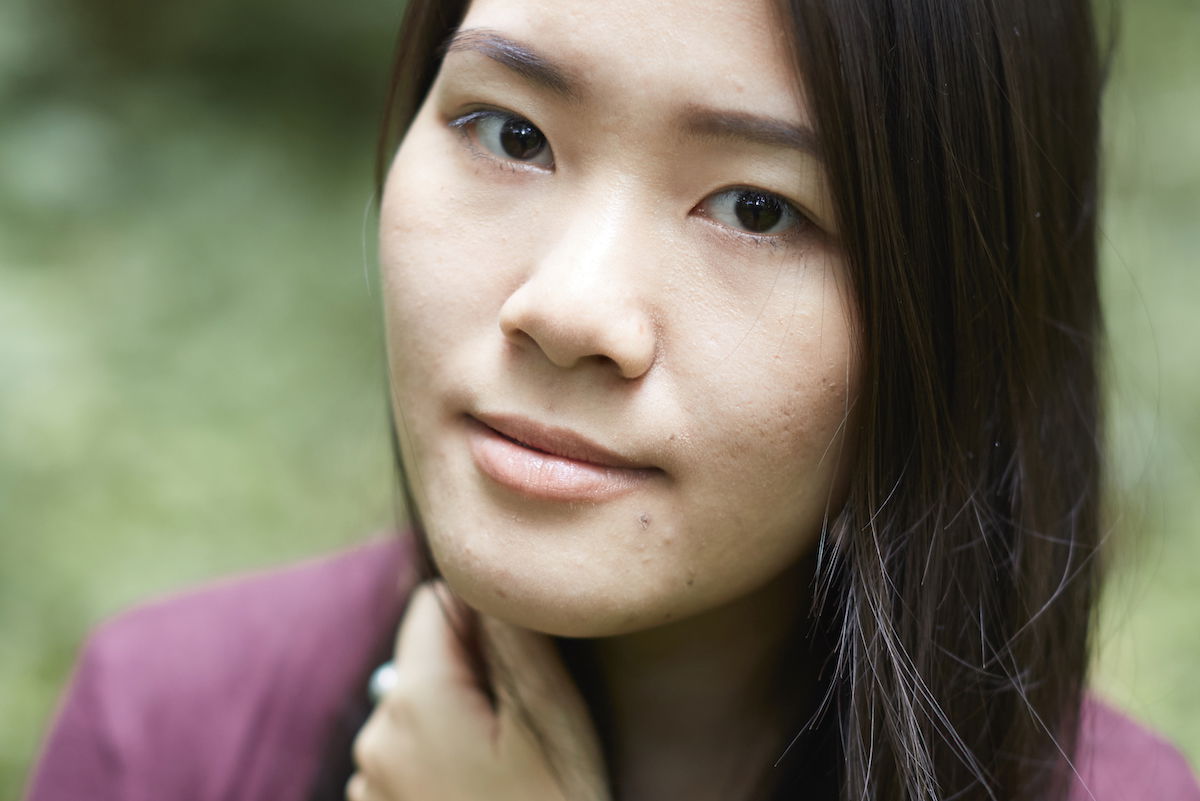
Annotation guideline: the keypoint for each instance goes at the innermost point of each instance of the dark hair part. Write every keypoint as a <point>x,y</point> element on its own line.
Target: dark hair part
<point>962,141</point>
<point>959,579</point>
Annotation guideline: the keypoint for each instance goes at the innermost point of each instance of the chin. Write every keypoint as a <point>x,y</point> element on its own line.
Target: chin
<point>556,592</point>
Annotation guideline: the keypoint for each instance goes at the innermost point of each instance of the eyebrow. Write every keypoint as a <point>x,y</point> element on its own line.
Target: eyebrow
<point>710,123</point>
<point>517,57</point>
<point>700,122</point>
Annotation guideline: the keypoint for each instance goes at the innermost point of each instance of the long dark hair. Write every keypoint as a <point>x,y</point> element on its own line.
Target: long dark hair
<point>959,580</point>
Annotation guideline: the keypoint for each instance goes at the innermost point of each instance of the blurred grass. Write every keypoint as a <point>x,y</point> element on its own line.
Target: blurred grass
<point>190,349</point>
<point>1150,639</point>
<point>190,358</point>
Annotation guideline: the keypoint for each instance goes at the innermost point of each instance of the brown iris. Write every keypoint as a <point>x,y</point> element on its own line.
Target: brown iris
<point>521,140</point>
<point>759,212</point>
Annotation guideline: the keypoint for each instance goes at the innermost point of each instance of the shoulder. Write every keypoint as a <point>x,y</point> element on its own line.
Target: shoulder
<point>276,611</point>
<point>232,684</point>
<point>1118,759</point>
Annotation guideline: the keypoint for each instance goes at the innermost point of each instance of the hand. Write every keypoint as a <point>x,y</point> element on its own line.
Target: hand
<point>435,735</point>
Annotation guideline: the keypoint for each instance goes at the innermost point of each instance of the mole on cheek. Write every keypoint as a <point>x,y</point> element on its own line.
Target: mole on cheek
<point>644,520</point>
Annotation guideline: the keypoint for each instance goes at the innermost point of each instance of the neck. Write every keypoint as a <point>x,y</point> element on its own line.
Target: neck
<point>701,708</point>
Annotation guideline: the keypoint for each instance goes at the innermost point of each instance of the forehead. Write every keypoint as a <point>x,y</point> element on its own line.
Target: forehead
<point>728,52</point>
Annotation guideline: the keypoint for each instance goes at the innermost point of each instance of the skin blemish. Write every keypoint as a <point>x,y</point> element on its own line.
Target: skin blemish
<point>644,520</point>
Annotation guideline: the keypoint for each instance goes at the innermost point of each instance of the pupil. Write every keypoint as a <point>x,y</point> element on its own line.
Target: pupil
<point>758,212</point>
<point>520,139</point>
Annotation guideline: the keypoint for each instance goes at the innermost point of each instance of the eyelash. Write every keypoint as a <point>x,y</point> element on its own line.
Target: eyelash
<point>465,125</point>
<point>801,223</point>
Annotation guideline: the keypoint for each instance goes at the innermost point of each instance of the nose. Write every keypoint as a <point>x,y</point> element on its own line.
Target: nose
<point>585,301</point>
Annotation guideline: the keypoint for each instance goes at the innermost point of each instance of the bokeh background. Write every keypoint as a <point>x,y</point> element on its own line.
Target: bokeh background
<point>190,350</point>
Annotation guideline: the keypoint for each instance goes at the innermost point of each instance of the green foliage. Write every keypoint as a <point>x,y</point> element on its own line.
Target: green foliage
<point>190,354</point>
<point>1150,643</point>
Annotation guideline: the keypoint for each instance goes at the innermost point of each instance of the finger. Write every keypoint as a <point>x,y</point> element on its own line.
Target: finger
<point>430,644</point>
<point>376,746</point>
<point>532,675</point>
<point>538,697</point>
<point>359,789</point>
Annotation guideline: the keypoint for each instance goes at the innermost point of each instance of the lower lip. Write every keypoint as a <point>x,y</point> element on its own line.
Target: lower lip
<point>546,476</point>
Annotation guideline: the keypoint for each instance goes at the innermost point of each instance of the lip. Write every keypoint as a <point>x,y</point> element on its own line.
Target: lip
<point>550,463</point>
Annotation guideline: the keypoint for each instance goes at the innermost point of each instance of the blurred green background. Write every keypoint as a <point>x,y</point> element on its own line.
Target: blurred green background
<point>190,352</point>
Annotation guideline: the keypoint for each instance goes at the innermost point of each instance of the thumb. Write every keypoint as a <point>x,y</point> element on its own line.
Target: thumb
<point>433,644</point>
<point>528,668</point>
<point>535,693</point>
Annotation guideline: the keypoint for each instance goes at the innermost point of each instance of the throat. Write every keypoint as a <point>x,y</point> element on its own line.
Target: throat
<point>703,708</point>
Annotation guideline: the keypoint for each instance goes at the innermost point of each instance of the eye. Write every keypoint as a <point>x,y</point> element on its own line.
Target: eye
<point>506,136</point>
<point>753,211</point>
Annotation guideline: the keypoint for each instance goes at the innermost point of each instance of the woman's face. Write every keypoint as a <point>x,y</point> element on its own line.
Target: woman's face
<point>622,355</point>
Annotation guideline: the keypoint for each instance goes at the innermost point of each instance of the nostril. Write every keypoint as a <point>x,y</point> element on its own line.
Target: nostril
<point>570,326</point>
<point>605,362</point>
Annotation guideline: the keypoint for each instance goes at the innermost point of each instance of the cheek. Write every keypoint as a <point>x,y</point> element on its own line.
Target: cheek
<point>440,280</point>
<point>811,396</point>
<point>418,247</point>
<point>782,363</point>
<point>777,402</point>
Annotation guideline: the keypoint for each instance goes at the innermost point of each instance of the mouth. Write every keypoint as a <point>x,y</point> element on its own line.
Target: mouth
<point>551,463</point>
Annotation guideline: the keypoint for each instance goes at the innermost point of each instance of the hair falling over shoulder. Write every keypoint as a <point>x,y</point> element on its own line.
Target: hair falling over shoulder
<point>962,141</point>
<point>959,580</point>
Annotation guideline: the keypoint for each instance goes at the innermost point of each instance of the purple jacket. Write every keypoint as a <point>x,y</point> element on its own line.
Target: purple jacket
<point>227,694</point>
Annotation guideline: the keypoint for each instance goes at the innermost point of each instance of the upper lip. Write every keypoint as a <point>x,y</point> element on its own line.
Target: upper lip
<point>557,441</point>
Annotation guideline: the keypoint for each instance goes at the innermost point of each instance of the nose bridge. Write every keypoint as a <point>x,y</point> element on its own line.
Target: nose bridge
<point>596,241</point>
<point>585,293</point>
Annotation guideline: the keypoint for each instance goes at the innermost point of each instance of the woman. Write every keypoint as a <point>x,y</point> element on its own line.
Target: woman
<point>751,350</point>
